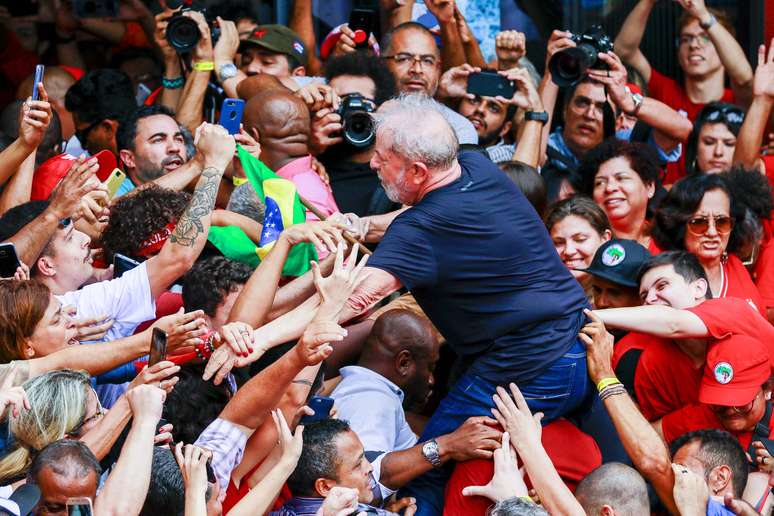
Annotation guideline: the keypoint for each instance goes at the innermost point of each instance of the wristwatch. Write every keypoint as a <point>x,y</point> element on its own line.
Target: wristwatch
<point>431,453</point>
<point>709,23</point>
<point>637,99</point>
<point>537,116</point>
<point>227,71</point>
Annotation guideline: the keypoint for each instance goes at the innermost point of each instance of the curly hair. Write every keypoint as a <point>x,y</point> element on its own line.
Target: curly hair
<point>641,158</point>
<point>136,216</point>
<point>710,110</point>
<point>361,64</point>
<point>679,205</point>
<point>210,280</point>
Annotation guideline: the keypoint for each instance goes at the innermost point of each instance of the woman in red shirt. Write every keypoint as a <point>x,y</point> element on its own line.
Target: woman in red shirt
<point>702,216</point>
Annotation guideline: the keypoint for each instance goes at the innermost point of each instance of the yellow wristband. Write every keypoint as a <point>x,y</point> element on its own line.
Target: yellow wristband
<point>239,181</point>
<point>607,382</point>
<point>204,66</point>
<point>527,499</point>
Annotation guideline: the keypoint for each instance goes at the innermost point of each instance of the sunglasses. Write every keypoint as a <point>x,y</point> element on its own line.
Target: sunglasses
<point>742,410</point>
<point>700,225</point>
<point>729,115</point>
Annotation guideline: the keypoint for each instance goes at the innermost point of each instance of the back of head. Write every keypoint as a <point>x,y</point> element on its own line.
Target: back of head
<point>210,280</point>
<point>56,81</point>
<point>281,118</point>
<point>65,457</point>
<point>58,405</point>
<point>418,131</point>
<point>22,306</point>
<point>166,492</point>
<point>529,182</point>
<point>616,485</point>
<point>396,330</point>
<point>516,507</point>
<point>194,403</point>
<point>101,95</point>
<point>717,448</point>
<point>19,216</point>
<point>135,217</point>
<point>319,458</point>
<point>684,263</point>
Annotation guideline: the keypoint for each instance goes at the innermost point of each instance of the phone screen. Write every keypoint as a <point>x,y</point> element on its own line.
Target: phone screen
<point>158,349</point>
<point>123,264</point>
<point>39,69</point>
<point>9,261</point>
<point>79,507</point>
<point>490,84</point>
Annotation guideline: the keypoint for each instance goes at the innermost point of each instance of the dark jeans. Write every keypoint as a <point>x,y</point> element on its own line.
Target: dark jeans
<point>561,389</point>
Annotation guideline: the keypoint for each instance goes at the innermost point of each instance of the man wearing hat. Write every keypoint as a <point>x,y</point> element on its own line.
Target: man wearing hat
<point>614,271</point>
<point>675,329</point>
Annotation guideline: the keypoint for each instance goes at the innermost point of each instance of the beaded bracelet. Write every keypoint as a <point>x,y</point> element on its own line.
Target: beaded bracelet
<point>173,84</point>
<point>612,390</point>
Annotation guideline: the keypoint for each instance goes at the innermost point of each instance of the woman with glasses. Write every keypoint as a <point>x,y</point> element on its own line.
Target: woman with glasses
<point>701,215</point>
<point>710,147</point>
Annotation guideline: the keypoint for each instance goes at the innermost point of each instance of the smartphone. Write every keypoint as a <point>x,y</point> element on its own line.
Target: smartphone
<point>113,182</point>
<point>490,84</point>
<point>9,260</point>
<point>79,507</point>
<point>122,264</point>
<point>322,406</point>
<point>107,163</point>
<point>39,70</point>
<point>158,349</point>
<point>95,8</point>
<point>231,114</point>
<point>361,22</point>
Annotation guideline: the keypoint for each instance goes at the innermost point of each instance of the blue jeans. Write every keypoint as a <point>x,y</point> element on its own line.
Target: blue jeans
<point>562,388</point>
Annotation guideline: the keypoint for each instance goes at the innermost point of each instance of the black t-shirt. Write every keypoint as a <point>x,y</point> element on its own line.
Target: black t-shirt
<point>357,188</point>
<point>482,266</point>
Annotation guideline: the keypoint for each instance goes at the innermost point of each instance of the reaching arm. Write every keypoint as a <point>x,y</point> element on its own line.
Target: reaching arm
<point>229,218</point>
<point>19,188</point>
<point>225,53</point>
<point>452,50</point>
<point>299,290</point>
<point>172,68</point>
<point>473,55</point>
<point>125,489</point>
<point>101,438</point>
<point>190,234</point>
<point>548,89</point>
<point>190,109</point>
<point>301,22</point>
<point>640,440</point>
<point>36,115</point>
<point>526,97</point>
<point>661,321</point>
<point>627,42</point>
<point>750,138</point>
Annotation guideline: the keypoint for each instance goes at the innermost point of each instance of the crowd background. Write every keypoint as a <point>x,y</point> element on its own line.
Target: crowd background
<point>287,258</point>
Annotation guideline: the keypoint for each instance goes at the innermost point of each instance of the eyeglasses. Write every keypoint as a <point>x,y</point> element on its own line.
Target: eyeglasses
<point>742,410</point>
<point>728,114</point>
<point>79,427</point>
<point>687,39</point>
<point>406,60</point>
<point>700,225</point>
<point>581,105</point>
<point>83,134</point>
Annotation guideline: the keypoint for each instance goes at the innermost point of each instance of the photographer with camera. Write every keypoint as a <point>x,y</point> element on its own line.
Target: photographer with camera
<point>344,137</point>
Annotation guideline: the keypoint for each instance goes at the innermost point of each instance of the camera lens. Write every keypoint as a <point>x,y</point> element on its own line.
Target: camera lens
<point>359,130</point>
<point>569,65</point>
<point>182,34</point>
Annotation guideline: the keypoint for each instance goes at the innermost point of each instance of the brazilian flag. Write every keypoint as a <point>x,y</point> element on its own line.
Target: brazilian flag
<point>283,209</point>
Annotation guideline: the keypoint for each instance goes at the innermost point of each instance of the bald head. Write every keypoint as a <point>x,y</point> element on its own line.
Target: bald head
<point>55,80</point>
<point>397,330</point>
<point>616,486</point>
<point>282,121</point>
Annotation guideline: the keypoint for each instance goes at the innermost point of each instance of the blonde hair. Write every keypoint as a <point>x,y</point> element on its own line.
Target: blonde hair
<point>57,405</point>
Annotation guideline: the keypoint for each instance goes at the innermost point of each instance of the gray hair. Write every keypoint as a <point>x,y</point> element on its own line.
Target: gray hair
<point>614,484</point>
<point>516,507</point>
<point>419,130</point>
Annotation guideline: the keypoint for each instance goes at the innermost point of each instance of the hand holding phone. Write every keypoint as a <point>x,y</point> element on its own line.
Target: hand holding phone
<point>322,406</point>
<point>361,23</point>
<point>231,114</point>
<point>9,260</point>
<point>39,71</point>
<point>490,84</point>
<point>158,349</point>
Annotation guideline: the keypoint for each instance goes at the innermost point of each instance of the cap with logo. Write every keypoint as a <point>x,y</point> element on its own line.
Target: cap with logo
<point>280,39</point>
<point>735,370</point>
<point>618,261</point>
<point>53,170</point>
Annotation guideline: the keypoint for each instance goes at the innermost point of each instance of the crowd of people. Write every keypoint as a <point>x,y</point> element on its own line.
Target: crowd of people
<point>252,268</point>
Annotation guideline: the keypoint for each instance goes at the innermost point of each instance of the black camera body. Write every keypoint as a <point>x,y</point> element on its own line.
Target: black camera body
<point>569,66</point>
<point>359,127</point>
<point>183,33</point>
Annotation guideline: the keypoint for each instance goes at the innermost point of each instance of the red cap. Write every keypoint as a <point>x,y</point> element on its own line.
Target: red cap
<point>736,369</point>
<point>634,88</point>
<point>48,175</point>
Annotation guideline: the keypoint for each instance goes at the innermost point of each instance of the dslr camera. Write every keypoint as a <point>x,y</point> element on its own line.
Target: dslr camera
<point>569,66</point>
<point>183,33</point>
<point>359,127</point>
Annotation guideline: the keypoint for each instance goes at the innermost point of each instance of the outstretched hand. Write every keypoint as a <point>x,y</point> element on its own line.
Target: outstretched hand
<point>763,82</point>
<point>599,347</point>
<point>315,344</point>
<point>507,480</point>
<point>36,115</point>
<point>335,289</point>
<point>516,418</point>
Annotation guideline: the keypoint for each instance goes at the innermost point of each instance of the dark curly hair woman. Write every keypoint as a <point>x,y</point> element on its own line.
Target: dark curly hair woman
<point>703,215</point>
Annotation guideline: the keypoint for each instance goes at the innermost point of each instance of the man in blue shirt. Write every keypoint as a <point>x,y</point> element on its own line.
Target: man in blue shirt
<point>482,266</point>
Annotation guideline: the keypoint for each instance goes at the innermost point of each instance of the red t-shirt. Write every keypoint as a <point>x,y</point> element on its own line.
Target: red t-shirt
<point>671,93</point>
<point>698,417</point>
<point>729,316</point>
<point>572,463</point>
<point>763,275</point>
<point>737,283</point>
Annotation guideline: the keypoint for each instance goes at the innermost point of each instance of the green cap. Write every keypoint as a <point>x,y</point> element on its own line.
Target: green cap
<point>280,39</point>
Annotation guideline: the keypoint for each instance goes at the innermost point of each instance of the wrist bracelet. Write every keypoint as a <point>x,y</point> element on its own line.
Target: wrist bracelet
<point>605,382</point>
<point>712,21</point>
<point>612,390</point>
<point>204,66</point>
<point>173,84</point>
<point>527,499</point>
<point>239,181</point>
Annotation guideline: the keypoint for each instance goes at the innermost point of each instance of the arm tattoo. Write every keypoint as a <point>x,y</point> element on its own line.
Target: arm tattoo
<point>190,225</point>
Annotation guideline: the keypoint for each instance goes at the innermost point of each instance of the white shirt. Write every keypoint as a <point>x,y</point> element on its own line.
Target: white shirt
<point>127,300</point>
<point>373,405</point>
